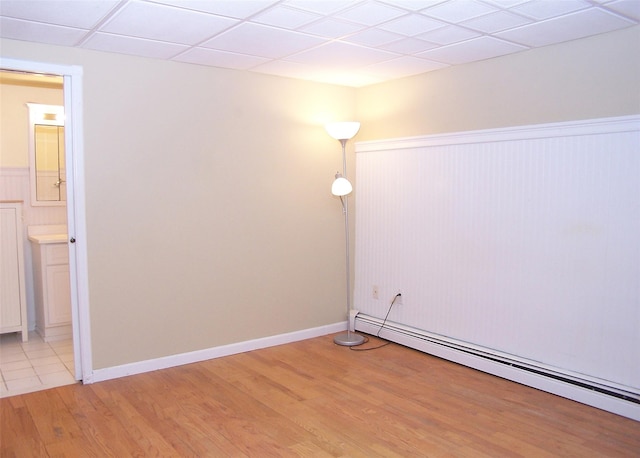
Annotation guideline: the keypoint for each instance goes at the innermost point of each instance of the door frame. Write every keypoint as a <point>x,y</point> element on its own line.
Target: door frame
<point>76,216</point>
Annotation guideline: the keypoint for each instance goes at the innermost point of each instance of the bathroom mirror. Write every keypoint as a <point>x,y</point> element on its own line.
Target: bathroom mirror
<point>46,155</point>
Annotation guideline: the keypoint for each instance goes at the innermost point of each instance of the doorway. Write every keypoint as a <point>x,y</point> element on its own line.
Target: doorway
<point>79,344</point>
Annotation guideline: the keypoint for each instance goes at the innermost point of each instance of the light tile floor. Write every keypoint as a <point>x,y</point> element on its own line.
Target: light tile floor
<point>34,365</point>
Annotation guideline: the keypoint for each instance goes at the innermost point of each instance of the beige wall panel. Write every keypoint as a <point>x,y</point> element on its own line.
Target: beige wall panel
<point>583,79</point>
<point>209,213</point>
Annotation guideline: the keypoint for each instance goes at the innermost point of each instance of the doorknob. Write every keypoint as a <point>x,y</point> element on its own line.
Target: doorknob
<point>72,240</point>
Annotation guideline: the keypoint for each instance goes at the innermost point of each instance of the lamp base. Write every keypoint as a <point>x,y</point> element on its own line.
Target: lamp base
<point>348,339</point>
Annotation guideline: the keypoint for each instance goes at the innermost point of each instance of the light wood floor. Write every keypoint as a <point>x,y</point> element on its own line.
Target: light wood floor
<point>312,399</point>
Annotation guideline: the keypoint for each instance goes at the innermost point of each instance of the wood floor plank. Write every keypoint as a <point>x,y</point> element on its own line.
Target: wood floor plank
<point>311,398</point>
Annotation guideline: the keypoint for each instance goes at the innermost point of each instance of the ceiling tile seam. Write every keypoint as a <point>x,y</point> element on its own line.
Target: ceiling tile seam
<point>240,22</point>
<point>230,28</point>
<point>342,39</point>
<point>555,18</point>
<point>101,22</point>
<point>590,5</point>
<point>250,20</point>
<point>195,10</point>
<point>50,24</point>
<point>617,13</point>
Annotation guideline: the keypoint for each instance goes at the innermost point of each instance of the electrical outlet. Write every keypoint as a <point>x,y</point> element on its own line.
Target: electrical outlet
<point>374,292</point>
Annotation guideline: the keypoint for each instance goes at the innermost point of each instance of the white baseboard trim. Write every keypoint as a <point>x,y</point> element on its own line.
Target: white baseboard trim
<point>108,373</point>
<point>576,393</point>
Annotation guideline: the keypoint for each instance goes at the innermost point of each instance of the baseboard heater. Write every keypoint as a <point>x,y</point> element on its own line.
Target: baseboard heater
<point>615,399</point>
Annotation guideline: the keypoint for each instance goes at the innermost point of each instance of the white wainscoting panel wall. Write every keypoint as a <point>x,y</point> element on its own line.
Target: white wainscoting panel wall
<point>521,243</point>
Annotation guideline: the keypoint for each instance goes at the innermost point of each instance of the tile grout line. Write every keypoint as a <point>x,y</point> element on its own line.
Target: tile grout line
<point>40,345</point>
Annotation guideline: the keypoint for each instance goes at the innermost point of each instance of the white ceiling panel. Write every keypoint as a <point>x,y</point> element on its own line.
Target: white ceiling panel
<point>263,41</point>
<point>564,28</point>
<point>409,46</point>
<point>133,46</point>
<point>472,50</point>
<point>495,22</point>
<point>281,16</point>
<point>414,5</point>
<point>215,58</point>
<point>333,28</point>
<point>238,9</point>
<point>371,13</point>
<point>455,11</point>
<point>342,55</point>
<point>348,42</point>
<point>318,73</point>
<point>545,9</point>
<point>411,25</point>
<point>41,33</point>
<point>403,66</point>
<point>449,34</point>
<point>82,14</point>
<point>629,8</point>
<point>373,37</point>
<point>323,7</point>
<point>166,23</point>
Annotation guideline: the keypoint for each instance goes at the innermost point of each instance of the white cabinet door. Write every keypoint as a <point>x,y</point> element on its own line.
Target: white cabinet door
<point>13,314</point>
<point>58,295</point>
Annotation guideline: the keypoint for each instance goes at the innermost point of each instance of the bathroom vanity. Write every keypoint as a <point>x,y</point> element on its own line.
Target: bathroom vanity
<point>51,281</point>
<point>13,305</point>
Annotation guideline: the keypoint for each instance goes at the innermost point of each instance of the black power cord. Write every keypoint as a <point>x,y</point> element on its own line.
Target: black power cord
<point>379,329</point>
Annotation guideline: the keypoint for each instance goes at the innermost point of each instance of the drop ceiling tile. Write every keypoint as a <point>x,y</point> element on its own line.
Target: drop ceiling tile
<point>448,35</point>
<point>18,29</point>
<point>230,8</point>
<point>215,58</point>
<point>335,75</point>
<point>564,28</point>
<point>285,68</point>
<point>319,6</point>
<point>80,14</point>
<point>412,24</point>
<point>370,13</point>
<point>133,46</point>
<point>166,23</point>
<point>363,35</point>
<point>409,46</point>
<point>495,22</point>
<point>545,9</point>
<point>458,10</point>
<point>373,37</point>
<point>414,5</point>
<point>332,28</point>
<point>341,55</point>
<point>403,66</point>
<point>468,51</point>
<point>505,3</point>
<point>629,8</point>
<point>287,18</point>
<point>261,40</point>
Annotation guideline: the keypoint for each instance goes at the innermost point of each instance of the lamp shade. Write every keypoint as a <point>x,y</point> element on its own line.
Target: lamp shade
<point>341,186</point>
<point>342,130</point>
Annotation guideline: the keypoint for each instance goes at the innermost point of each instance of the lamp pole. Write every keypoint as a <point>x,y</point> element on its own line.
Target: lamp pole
<point>349,338</point>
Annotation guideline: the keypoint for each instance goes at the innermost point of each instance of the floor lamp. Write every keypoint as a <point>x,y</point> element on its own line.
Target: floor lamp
<point>341,187</point>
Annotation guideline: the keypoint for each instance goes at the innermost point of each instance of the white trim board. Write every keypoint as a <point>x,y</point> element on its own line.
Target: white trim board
<point>166,362</point>
<point>552,130</point>
<point>514,374</point>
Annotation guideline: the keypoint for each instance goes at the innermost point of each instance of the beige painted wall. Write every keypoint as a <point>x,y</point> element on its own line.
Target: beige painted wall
<point>583,79</point>
<point>209,214</point>
<point>14,120</point>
